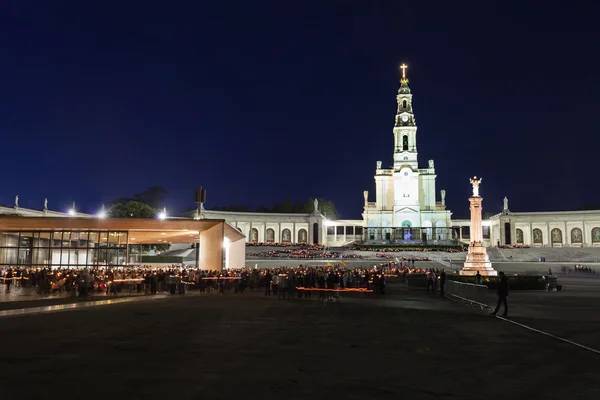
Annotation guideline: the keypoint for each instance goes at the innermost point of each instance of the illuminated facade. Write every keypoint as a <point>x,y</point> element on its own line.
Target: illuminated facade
<point>405,207</point>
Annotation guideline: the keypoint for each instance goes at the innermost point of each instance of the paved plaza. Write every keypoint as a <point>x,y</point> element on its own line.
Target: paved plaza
<point>410,345</point>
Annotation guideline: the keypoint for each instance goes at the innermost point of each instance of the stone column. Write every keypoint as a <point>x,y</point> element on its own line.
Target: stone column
<point>294,233</point>
<point>531,234</point>
<point>250,233</point>
<point>477,257</point>
<point>279,233</point>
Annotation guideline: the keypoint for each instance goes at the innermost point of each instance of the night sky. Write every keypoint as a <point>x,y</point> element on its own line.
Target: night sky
<point>258,101</point>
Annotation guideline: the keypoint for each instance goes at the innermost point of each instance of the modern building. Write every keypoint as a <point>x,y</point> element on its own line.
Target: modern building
<point>32,238</point>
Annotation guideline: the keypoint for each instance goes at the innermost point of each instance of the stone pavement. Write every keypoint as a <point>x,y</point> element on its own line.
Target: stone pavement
<point>410,346</point>
<point>19,297</point>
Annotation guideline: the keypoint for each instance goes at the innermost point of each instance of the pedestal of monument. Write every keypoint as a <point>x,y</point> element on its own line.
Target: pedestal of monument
<point>478,261</point>
<point>477,257</point>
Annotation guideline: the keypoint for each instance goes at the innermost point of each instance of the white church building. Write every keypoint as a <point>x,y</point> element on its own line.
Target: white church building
<point>405,207</point>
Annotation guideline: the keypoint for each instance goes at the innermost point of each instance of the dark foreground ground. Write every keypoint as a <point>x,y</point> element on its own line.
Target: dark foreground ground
<point>248,346</point>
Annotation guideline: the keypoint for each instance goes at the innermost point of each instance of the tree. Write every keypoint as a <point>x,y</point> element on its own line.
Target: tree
<point>590,206</point>
<point>287,206</point>
<point>136,209</point>
<point>132,209</point>
<point>262,209</point>
<point>326,207</point>
<point>154,196</point>
<point>232,208</point>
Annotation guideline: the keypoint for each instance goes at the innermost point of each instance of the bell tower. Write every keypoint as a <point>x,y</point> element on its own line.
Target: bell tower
<point>407,209</point>
<point>405,127</point>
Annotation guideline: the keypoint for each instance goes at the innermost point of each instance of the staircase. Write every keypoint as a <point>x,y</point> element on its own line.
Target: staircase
<point>496,254</point>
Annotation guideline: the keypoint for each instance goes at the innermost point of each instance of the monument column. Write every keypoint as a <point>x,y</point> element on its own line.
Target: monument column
<point>477,257</point>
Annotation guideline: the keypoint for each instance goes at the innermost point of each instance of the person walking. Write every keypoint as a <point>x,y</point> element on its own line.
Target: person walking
<point>275,283</point>
<point>442,282</point>
<point>268,279</point>
<point>502,294</point>
<point>429,277</point>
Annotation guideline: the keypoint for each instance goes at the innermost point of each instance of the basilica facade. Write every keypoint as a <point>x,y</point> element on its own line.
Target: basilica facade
<point>406,208</point>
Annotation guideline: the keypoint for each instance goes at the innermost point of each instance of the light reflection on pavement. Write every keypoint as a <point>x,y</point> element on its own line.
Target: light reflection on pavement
<point>76,306</point>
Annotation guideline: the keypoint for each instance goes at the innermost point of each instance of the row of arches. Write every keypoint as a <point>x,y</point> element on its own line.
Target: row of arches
<point>556,236</point>
<point>286,236</point>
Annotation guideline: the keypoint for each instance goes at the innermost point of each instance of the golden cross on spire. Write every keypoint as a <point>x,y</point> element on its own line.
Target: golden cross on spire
<point>403,68</point>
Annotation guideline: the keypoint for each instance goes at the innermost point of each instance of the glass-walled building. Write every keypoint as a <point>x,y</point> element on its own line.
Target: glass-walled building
<point>45,239</point>
<point>64,249</point>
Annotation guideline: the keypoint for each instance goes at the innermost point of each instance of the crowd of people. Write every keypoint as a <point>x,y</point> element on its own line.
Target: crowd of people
<point>578,269</point>
<point>304,254</point>
<point>178,279</point>
<point>305,246</point>
<point>412,249</point>
<point>513,246</point>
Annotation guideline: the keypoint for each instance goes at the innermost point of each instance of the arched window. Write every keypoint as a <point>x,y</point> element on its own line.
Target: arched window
<point>556,235</point>
<point>286,236</point>
<point>538,238</point>
<point>270,236</point>
<point>302,236</point>
<point>576,235</point>
<point>596,235</point>
<point>405,142</point>
<point>404,104</point>
<point>519,236</point>
<point>254,235</point>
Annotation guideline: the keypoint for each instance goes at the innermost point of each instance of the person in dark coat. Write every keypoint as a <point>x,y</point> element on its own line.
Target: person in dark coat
<point>153,283</point>
<point>442,282</point>
<point>268,279</point>
<point>502,294</point>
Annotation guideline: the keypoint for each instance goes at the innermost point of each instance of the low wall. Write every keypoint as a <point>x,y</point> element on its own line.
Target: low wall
<point>533,267</point>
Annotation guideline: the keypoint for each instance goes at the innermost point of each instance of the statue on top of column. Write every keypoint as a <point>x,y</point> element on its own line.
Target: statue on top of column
<point>316,203</point>
<point>45,204</point>
<point>366,196</point>
<point>17,201</point>
<point>505,203</point>
<point>476,182</point>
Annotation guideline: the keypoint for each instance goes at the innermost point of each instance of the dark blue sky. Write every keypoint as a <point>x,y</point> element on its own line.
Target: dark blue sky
<point>258,101</point>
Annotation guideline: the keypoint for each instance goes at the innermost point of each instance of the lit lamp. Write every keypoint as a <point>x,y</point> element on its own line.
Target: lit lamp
<point>72,211</point>
<point>102,212</point>
<point>163,214</point>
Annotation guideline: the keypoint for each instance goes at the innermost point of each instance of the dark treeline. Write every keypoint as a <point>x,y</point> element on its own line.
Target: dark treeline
<point>326,208</point>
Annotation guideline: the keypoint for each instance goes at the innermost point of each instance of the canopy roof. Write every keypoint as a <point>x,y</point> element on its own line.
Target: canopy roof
<point>141,231</point>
